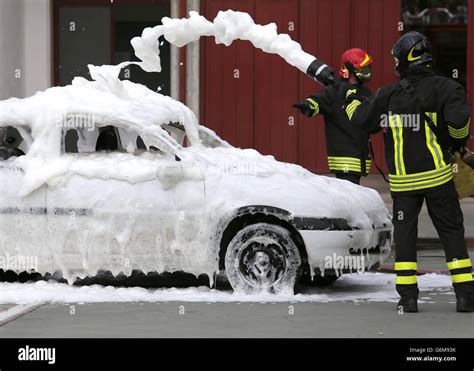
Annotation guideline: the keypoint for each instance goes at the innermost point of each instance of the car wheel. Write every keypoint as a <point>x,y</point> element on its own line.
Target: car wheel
<point>262,258</point>
<point>318,280</point>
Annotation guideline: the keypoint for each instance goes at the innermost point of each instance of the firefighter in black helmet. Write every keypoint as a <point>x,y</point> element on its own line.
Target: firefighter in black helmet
<point>347,146</point>
<point>425,118</point>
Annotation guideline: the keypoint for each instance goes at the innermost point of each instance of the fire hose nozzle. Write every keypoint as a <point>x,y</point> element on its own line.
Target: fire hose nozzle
<point>321,72</point>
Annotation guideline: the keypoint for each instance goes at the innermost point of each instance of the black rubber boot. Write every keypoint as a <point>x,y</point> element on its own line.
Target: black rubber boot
<point>465,304</point>
<point>407,304</point>
<point>464,296</point>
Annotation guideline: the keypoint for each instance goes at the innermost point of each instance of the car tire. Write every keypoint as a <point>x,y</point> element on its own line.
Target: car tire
<point>262,258</point>
<point>319,281</point>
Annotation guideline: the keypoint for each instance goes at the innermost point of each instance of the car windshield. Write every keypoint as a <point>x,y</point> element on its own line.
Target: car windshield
<point>208,137</point>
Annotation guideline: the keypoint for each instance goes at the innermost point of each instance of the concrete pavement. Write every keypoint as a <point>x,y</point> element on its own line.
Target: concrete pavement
<point>364,319</point>
<point>285,320</point>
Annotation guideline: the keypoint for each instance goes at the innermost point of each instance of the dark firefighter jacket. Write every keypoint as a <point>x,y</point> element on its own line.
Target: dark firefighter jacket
<point>417,158</point>
<point>347,145</point>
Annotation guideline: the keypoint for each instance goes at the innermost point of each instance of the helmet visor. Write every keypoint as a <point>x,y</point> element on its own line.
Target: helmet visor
<point>364,73</point>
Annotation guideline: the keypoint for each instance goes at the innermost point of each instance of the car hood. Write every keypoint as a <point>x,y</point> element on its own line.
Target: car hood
<point>236,177</point>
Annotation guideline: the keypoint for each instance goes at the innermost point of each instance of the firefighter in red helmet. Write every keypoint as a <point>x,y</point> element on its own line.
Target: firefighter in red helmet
<point>347,146</point>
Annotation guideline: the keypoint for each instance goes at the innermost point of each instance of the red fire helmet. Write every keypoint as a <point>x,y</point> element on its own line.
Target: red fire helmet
<point>356,57</point>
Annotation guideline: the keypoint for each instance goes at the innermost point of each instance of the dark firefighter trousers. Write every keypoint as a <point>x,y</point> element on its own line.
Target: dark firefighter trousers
<point>446,214</point>
<point>353,178</point>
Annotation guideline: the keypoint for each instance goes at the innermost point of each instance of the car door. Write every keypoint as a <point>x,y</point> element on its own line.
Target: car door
<point>131,214</point>
<point>22,218</point>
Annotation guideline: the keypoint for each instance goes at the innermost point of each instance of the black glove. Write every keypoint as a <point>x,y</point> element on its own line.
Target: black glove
<point>306,108</point>
<point>467,156</point>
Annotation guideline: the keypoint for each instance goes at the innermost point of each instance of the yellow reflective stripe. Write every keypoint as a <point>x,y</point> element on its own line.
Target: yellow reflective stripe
<point>457,264</point>
<point>314,106</point>
<point>347,164</point>
<point>414,181</point>
<point>396,187</point>
<point>432,143</point>
<point>459,136</point>
<point>405,266</point>
<point>351,108</point>
<point>465,277</point>
<point>365,61</point>
<point>345,168</point>
<point>397,133</point>
<point>436,144</point>
<point>350,159</point>
<point>368,166</point>
<point>402,161</point>
<point>406,280</point>
<point>343,162</point>
<point>425,175</point>
<point>350,92</point>
<point>350,112</point>
<point>459,133</point>
<point>410,57</point>
<point>353,104</point>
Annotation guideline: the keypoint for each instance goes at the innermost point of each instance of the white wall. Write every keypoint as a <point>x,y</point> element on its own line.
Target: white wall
<point>11,48</point>
<point>25,47</point>
<point>38,39</point>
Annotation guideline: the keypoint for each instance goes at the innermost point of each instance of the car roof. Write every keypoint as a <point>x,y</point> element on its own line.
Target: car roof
<point>103,102</point>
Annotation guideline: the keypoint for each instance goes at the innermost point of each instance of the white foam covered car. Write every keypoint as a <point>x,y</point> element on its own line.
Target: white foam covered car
<point>116,177</point>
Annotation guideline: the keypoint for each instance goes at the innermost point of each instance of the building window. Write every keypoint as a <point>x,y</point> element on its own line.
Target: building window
<point>445,24</point>
<point>99,32</point>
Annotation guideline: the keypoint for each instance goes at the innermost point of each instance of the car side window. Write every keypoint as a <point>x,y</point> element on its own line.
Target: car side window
<point>177,132</point>
<point>133,143</point>
<point>86,140</point>
<point>105,138</point>
<point>79,140</point>
<point>71,138</point>
<point>12,142</point>
<point>108,139</point>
